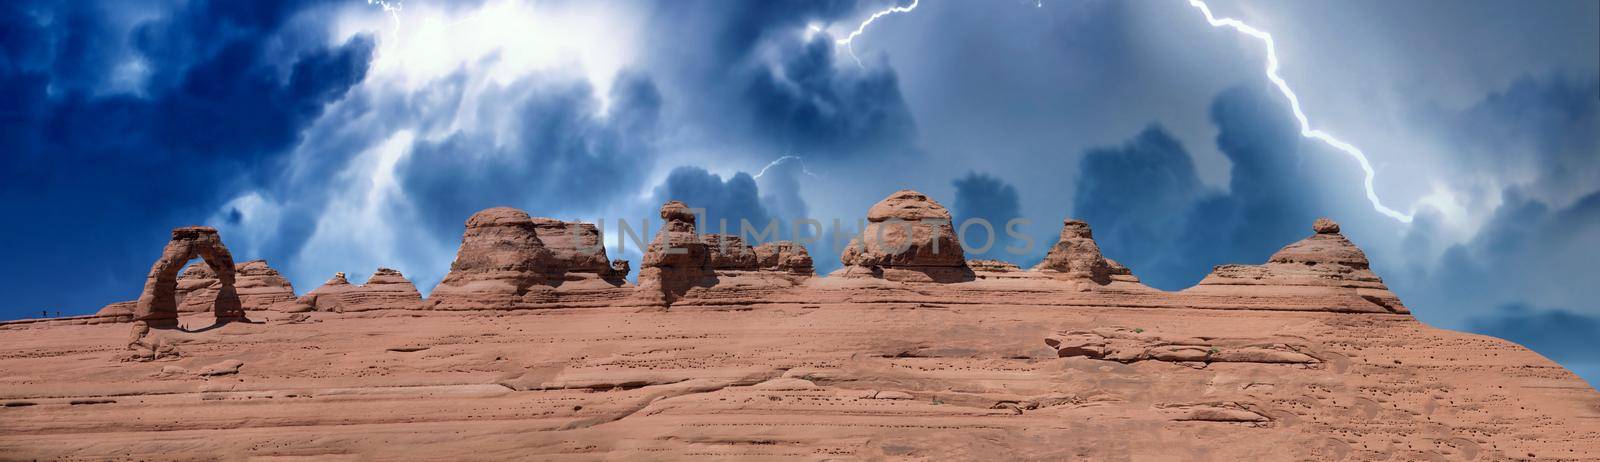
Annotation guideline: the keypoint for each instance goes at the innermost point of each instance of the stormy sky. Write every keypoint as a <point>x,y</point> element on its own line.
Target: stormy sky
<point>343,136</point>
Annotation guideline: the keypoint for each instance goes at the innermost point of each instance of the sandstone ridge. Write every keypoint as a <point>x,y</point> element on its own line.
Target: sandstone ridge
<point>509,260</point>
<point>533,347</point>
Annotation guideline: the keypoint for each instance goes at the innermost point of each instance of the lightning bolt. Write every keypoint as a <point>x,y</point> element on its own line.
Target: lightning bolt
<point>783,159</point>
<point>1294,104</point>
<point>849,39</point>
<point>392,8</point>
<point>1272,74</point>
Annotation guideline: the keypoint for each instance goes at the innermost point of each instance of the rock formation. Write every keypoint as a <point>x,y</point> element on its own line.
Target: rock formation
<point>386,289</point>
<point>158,302</point>
<point>122,311</point>
<point>730,252</point>
<point>1132,345</point>
<point>1077,256</point>
<point>787,256</point>
<point>578,249</point>
<point>1324,272</point>
<point>993,266</point>
<point>1305,357</point>
<point>259,286</point>
<point>908,237</point>
<point>328,296</point>
<point>676,260</point>
<point>501,263</point>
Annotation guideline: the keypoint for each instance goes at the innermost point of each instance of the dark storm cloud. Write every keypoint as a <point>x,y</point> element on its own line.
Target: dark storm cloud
<point>980,196</point>
<point>781,185</point>
<point>1544,231</point>
<point>1543,128</point>
<point>1524,255</point>
<point>1134,196</point>
<point>736,199</point>
<point>565,155</point>
<point>743,26</point>
<point>218,107</point>
<point>1150,212</point>
<point>769,84</point>
<point>808,103</point>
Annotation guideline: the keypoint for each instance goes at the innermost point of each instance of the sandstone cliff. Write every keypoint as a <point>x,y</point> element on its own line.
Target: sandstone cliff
<point>1307,356</point>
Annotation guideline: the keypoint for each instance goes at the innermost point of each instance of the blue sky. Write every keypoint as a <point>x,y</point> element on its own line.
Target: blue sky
<point>341,136</point>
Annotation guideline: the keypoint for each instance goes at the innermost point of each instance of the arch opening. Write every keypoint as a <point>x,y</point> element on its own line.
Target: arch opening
<point>158,302</point>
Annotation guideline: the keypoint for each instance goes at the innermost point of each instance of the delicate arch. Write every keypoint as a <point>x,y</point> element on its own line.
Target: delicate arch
<point>158,303</point>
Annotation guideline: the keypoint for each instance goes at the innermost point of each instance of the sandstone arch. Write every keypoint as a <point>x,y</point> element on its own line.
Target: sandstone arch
<point>158,303</point>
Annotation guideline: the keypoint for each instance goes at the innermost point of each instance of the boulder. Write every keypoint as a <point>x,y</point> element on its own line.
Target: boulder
<point>783,256</point>
<point>500,262</point>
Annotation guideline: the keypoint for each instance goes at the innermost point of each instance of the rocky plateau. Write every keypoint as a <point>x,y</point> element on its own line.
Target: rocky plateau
<point>536,346</point>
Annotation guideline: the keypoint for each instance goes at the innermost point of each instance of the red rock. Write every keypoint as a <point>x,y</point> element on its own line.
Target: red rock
<point>158,302</point>
<point>260,287</point>
<point>1324,272</point>
<point>577,247</point>
<point>993,266</point>
<point>501,263</point>
<point>676,260</point>
<point>730,252</point>
<point>908,237</point>
<point>1281,361</point>
<point>387,289</point>
<point>1075,255</point>
<point>787,256</point>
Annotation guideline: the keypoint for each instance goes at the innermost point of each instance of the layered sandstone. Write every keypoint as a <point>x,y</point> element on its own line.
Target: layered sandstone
<point>501,263</point>
<point>676,260</point>
<point>579,251</point>
<point>158,302</point>
<point>1304,357</point>
<point>259,286</point>
<point>1075,255</point>
<point>1324,272</point>
<point>908,237</point>
<point>850,368</point>
<point>387,289</point>
<point>786,256</point>
<point>730,252</point>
